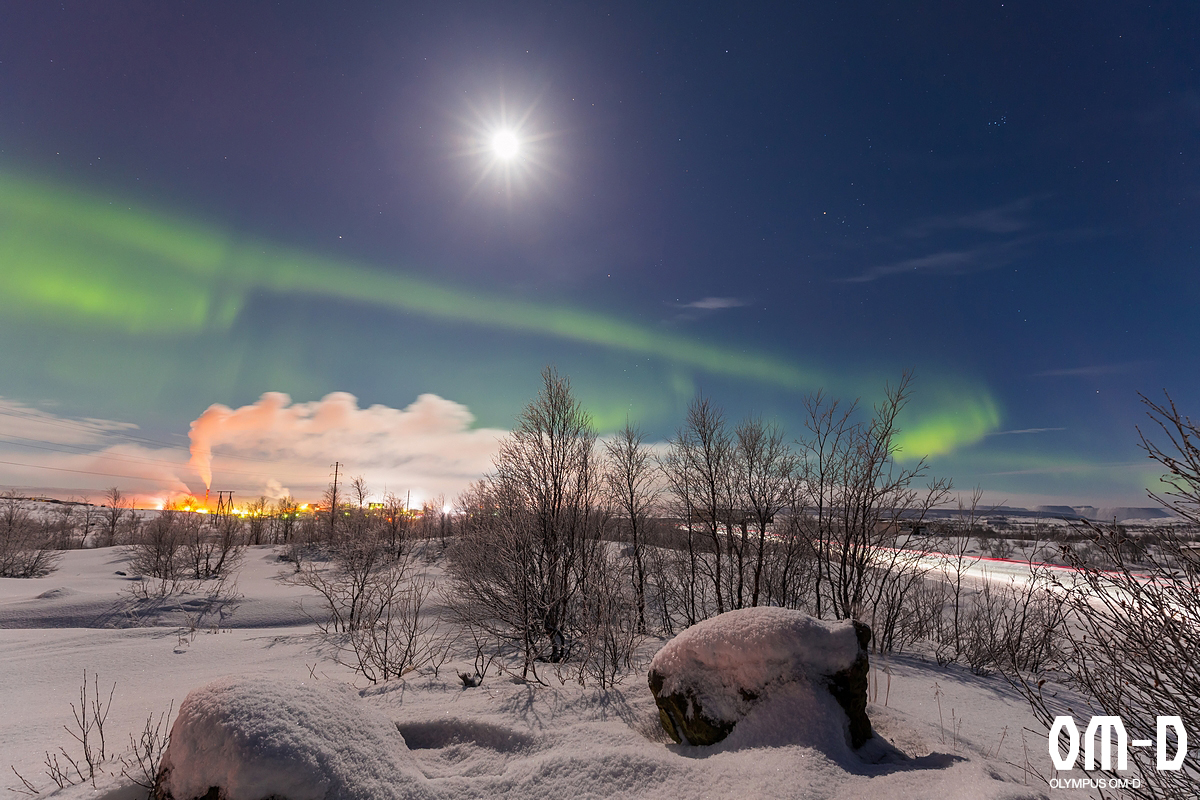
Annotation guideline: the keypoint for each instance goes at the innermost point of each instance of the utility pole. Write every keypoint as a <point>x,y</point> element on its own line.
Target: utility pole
<point>333,500</point>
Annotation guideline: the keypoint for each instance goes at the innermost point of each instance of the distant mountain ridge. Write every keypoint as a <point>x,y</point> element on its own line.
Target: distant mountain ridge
<point>1094,513</point>
<point>1119,513</point>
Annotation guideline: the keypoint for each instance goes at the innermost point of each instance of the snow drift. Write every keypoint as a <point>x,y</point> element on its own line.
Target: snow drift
<point>254,738</point>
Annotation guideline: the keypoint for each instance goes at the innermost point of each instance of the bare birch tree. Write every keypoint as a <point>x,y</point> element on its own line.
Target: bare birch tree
<point>539,544</point>
<point>630,479</point>
<point>765,467</point>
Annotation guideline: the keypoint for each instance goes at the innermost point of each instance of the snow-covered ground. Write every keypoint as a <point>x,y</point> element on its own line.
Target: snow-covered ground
<point>967,736</point>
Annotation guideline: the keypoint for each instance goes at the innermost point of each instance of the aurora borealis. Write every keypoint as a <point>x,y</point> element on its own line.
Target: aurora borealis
<point>200,205</point>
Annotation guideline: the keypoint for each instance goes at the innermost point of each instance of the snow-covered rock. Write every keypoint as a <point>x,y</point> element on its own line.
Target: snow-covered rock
<point>256,738</point>
<point>713,674</point>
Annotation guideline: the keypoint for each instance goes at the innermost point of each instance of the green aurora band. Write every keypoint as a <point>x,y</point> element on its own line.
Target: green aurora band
<point>73,258</point>
<point>147,273</point>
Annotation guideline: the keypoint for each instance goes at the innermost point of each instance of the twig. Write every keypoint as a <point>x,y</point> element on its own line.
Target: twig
<point>937,695</point>
<point>1003,733</point>
<point>28,785</point>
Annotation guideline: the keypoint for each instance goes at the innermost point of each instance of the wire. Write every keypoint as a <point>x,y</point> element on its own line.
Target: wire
<point>80,451</point>
<point>83,471</point>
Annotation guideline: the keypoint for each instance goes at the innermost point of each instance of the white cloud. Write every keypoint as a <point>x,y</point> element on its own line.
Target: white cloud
<point>715,303</point>
<point>270,447</point>
<point>428,448</point>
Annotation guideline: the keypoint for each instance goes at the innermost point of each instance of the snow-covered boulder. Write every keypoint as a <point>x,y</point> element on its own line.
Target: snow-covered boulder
<point>241,738</point>
<point>713,674</point>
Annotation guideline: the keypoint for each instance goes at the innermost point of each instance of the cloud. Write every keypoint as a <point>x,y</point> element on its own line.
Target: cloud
<point>40,451</point>
<point>1068,467</point>
<point>1007,218</point>
<point>271,447</point>
<point>1093,370</point>
<point>20,420</point>
<point>949,262</point>
<point>1024,430</point>
<point>428,448</point>
<point>716,303</point>
<point>972,242</point>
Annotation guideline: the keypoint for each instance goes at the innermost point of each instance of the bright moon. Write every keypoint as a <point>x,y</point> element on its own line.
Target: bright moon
<point>504,144</point>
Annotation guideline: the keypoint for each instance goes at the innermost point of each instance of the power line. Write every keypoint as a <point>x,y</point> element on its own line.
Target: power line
<point>109,474</point>
<point>78,471</point>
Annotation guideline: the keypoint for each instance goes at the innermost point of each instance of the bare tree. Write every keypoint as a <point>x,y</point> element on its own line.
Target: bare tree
<point>611,626</point>
<point>64,526</point>
<point>549,464</point>
<point>359,491</point>
<point>702,454</point>
<point>957,560</point>
<point>283,519</point>
<point>765,467</point>
<point>115,508</point>
<point>863,505</point>
<point>257,518</point>
<point>678,578</point>
<point>824,455</point>
<point>630,479</point>
<point>87,519</point>
<point>396,521</point>
<point>1131,642</point>
<point>530,531</point>
<point>493,563</point>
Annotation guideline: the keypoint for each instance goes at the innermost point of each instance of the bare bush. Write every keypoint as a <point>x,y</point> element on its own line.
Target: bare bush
<point>90,757</point>
<point>394,635</point>
<point>1011,626</point>
<point>146,751</point>
<point>1131,641</point>
<point>178,552</point>
<point>345,582</point>
<point>157,556</point>
<point>88,733</point>
<point>212,545</point>
<point>25,545</point>
<point>610,624</point>
<point>373,609</point>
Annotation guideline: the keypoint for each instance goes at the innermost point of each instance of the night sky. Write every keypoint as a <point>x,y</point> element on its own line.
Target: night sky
<point>204,202</point>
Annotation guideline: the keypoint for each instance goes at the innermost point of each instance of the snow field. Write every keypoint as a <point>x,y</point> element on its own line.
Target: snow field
<point>503,739</point>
